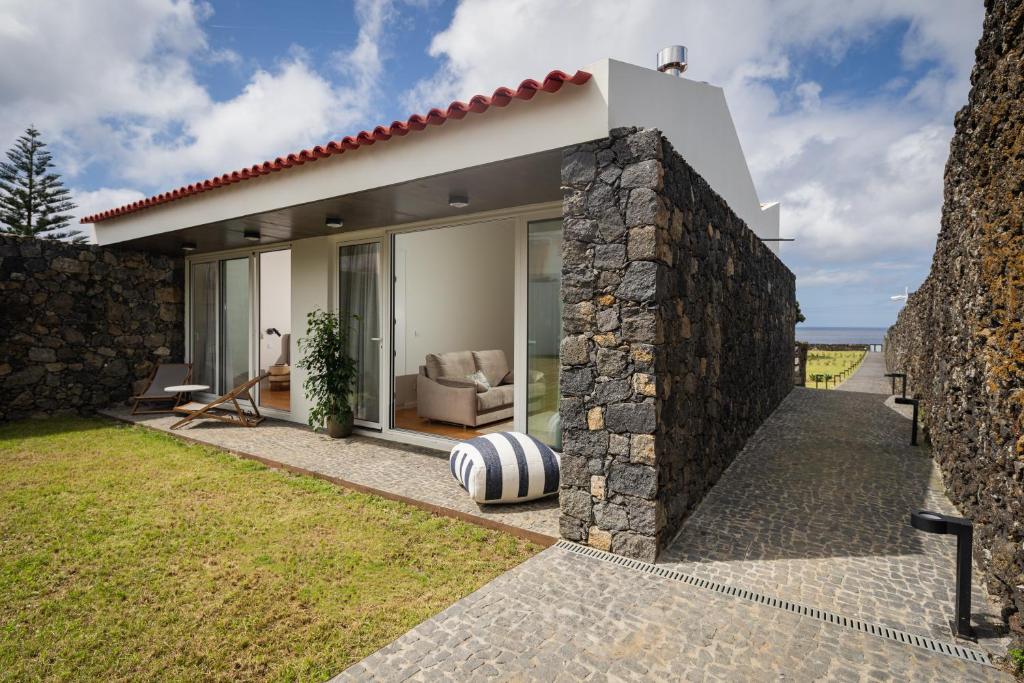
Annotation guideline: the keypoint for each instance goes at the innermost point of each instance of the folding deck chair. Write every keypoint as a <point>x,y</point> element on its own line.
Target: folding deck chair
<point>165,375</point>
<point>225,408</point>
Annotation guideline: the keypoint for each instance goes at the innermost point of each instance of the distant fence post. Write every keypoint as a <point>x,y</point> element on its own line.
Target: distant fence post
<point>800,365</point>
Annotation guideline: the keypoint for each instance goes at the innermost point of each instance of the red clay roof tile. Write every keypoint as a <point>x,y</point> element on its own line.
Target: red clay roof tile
<point>477,104</point>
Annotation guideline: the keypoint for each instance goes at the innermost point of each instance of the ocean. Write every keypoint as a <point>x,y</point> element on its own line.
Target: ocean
<point>840,335</point>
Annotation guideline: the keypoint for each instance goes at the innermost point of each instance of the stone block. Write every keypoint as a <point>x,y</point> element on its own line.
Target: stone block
<point>644,384</point>
<point>610,256</point>
<point>612,391</point>
<point>648,174</point>
<point>630,479</point>
<point>576,503</point>
<point>611,362</point>
<point>642,244</point>
<point>643,548</point>
<point>641,449</point>
<point>633,418</point>
<point>579,168</point>
<point>599,538</point>
<point>640,282</point>
<point>575,350</point>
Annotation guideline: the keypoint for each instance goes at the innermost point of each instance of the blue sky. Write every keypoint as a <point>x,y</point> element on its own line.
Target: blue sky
<point>844,109</point>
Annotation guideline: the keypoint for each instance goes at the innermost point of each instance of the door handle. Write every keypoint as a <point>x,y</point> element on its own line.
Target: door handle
<point>374,338</point>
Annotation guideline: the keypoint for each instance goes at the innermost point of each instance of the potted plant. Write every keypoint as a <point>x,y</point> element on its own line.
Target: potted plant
<point>330,371</point>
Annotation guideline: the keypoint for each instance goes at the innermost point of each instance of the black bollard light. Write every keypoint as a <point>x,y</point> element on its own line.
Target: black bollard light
<point>901,375</point>
<point>938,523</point>
<point>913,426</point>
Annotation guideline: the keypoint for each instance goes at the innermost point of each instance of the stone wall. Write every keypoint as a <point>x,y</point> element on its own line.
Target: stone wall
<point>81,326</point>
<point>960,338</point>
<point>678,342</point>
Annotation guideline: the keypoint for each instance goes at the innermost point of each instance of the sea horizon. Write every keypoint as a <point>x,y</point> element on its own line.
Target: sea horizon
<point>840,335</point>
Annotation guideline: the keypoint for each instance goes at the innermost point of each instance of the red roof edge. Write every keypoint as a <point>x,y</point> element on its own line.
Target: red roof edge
<point>477,104</point>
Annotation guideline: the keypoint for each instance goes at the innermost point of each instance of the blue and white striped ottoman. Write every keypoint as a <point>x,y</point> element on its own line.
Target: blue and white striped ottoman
<point>507,467</point>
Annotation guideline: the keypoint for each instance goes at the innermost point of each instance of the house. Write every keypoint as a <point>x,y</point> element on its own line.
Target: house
<point>583,258</point>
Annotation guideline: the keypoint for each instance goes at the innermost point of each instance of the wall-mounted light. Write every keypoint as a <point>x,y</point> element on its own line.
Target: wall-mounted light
<point>458,200</point>
<point>334,222</point>
<point>188,246</point>
<point>252,235</point>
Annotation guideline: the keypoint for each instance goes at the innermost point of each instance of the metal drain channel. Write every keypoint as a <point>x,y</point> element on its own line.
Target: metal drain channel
<point>895,635</point>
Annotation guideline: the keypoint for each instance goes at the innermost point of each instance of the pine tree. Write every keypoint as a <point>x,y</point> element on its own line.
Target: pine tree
<point>33,200</point>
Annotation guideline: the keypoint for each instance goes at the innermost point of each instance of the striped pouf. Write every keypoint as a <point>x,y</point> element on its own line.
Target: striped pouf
<point>507,467</point>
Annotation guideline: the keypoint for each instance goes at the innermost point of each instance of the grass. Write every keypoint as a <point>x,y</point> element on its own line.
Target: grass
<point>828,364</point>
<point>128,555</point>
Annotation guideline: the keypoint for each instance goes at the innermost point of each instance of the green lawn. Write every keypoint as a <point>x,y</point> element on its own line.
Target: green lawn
<point>128,555</point>
<point>830,364</point>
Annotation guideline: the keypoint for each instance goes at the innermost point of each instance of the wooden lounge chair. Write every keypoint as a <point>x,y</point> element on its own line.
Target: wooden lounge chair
<point>225,408</point>
<point>164,375</point>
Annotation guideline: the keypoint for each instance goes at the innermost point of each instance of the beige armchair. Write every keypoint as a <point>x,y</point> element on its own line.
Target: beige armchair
<point>445,393</point>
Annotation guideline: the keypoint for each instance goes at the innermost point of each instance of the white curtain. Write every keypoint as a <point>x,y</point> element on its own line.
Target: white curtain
<point>359,282</point>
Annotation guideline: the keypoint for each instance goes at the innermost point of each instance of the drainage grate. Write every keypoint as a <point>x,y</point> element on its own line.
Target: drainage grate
<point>930,644</point>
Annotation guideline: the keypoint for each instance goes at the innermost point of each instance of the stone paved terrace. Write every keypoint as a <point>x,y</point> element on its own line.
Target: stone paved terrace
<point>416,475</point>
<point>815,510</point>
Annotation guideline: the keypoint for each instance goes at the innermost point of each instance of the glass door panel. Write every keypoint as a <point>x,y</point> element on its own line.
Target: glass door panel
<point>359,297</point>
<point>274,328</point>
<point>234,329</point>
<point>219,320</point>
<point>203,315</point>
<point>544,329</point>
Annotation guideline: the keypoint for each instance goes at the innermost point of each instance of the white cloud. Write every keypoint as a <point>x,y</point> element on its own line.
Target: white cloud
<point>117,89</point>
<point>829,277</point>
<point>93,201</point>
<point>858,179</point>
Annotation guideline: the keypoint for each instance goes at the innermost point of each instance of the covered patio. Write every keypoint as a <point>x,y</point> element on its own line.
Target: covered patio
<point>413,475</point>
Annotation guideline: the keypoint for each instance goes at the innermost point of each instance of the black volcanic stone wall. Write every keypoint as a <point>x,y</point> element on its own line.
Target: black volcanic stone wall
<point>960,338</point>
<point>81,327</point>
<point>678,342</point>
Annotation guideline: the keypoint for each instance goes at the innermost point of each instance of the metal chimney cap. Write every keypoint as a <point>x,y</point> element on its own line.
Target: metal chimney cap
<point>672,60</point>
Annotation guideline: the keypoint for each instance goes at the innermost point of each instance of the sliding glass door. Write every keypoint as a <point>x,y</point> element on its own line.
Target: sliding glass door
<point>273,328</point>
<point>543,329</point>
<point>359,292</point>
<point>219,339</point>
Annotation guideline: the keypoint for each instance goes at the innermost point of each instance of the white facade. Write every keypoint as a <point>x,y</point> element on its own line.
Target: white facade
<point>693,116</point>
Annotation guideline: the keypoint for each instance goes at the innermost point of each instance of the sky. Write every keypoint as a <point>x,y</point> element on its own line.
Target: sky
<point>844,110</point>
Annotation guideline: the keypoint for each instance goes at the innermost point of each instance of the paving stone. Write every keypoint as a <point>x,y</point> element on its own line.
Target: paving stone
<point>599,621</point>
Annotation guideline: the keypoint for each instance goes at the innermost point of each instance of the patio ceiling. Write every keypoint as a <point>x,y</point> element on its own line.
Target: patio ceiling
<point>514,182</point>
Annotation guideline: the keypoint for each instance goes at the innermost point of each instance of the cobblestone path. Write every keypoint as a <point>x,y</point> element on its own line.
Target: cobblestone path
<point>870,377</point>
<point>815,510</point>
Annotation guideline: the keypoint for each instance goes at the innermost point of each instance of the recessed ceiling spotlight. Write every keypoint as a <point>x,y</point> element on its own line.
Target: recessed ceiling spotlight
<point>252,235</point>
<point>188,246</point>
<point>458,200</point>
<point>334,222</point>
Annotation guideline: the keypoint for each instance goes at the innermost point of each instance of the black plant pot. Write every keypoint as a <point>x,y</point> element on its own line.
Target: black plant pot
<point>341,427</point>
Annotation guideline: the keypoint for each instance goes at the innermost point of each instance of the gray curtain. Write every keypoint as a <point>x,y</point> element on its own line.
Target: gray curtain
<point>204,323</point>
<point>359,282</point>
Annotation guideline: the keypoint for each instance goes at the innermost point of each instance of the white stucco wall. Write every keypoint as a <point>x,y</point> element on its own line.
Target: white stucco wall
<point>695,118</point>
<point>310,278</point>
<point>454,291</point>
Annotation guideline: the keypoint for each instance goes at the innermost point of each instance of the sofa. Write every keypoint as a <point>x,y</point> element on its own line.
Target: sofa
<point>447,392</point>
